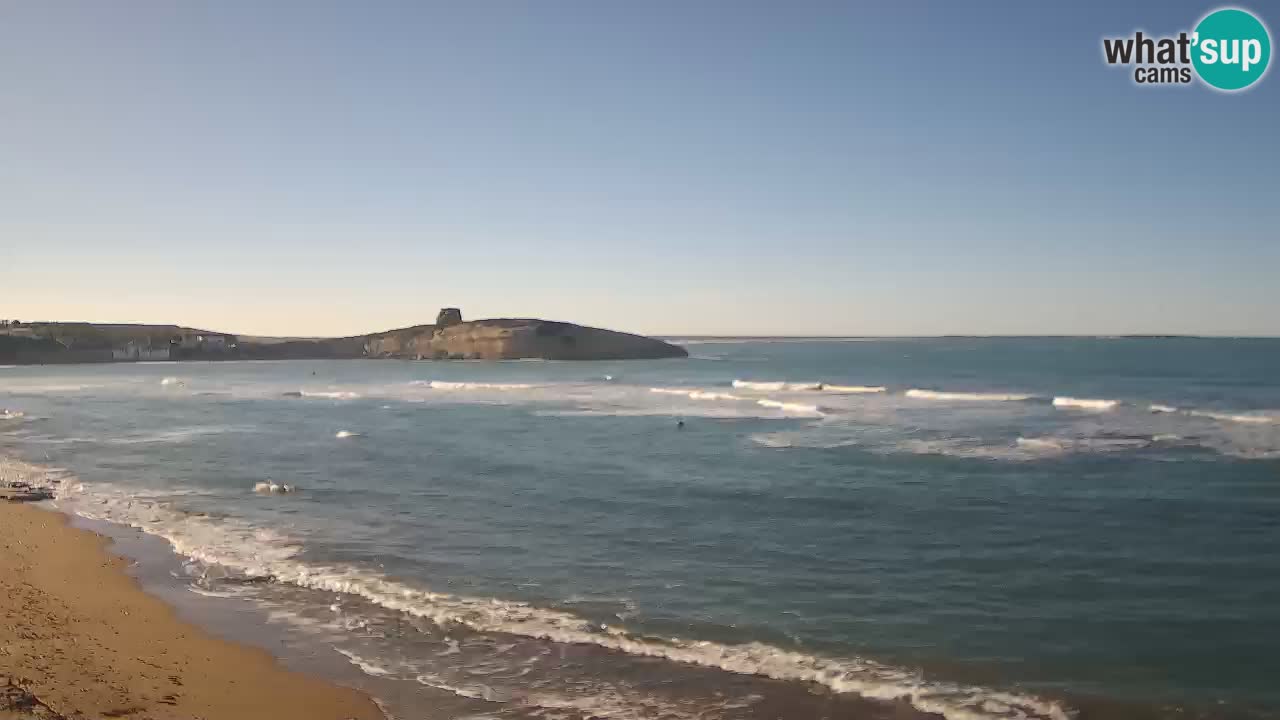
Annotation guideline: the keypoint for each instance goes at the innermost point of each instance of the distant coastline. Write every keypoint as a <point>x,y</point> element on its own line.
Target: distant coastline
<point>449,338</point>
<point>674,337</point>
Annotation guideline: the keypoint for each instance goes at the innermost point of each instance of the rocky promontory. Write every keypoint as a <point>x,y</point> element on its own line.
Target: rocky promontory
<point>450,338</point>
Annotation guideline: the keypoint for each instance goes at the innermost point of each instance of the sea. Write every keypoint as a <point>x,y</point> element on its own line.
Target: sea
<point>965,528</point>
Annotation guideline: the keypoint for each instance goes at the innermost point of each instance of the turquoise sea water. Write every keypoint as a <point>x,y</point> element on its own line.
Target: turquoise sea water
<point>977,527</point>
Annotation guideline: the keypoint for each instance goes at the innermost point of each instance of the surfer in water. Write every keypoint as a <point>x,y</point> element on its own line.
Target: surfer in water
<point>680,424</point>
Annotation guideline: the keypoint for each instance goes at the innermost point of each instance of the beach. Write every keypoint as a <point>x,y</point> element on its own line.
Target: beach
<point>80,639</point>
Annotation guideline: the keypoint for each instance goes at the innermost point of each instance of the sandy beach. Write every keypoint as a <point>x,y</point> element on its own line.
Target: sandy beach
<point>80,639</point>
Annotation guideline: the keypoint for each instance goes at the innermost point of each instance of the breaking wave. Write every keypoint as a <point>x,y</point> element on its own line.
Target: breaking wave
<point>331,395</point>
<point>446,385</point>
<point>1084,403</point>
<point>1248,418</point>
<point>257,552</point>
<point>696,394</point>
<point>1047,444</point>
<point>1089,444</point>
<point>784,386</point>
<point>786,407</point>
<point>40,389</point>
<point>854,389</point>
<point>790,407</point>
<point>775,386</point>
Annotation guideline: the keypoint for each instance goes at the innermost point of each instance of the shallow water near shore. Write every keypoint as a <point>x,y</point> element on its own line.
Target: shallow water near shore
<point>976,528</point>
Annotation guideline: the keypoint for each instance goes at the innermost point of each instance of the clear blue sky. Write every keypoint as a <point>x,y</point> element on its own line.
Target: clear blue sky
<point>657,166</point>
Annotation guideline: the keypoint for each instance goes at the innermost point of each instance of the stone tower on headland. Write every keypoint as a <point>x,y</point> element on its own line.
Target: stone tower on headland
<point>448,316</point>
<point>450,338</point>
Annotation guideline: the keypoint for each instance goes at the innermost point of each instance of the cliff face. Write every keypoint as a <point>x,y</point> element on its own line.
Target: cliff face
<point>514,339</point>
<point>411,342</point>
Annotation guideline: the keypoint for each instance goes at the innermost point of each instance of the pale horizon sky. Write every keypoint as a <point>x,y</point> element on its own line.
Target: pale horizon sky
<point>715,168</point>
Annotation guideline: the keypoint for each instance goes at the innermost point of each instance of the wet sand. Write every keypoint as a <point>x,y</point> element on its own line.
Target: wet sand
<point>80,639</point>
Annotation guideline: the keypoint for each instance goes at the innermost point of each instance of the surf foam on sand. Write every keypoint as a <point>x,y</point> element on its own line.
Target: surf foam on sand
<point>253,552</point>
<point>130,639</point>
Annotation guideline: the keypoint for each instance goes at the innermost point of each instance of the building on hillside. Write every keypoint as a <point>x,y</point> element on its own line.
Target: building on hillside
<point>204,342</point>
<point>136,351</point>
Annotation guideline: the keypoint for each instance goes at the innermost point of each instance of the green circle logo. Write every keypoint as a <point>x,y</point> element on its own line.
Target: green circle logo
<point>1232,49</point>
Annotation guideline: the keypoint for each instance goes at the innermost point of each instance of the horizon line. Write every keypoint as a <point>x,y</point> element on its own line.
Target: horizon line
<point>730,336</point>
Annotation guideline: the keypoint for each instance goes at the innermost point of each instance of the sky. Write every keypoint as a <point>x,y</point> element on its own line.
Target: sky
<point>664,167</point>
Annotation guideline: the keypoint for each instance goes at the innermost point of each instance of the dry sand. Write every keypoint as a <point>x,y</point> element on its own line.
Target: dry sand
<point>80,639</point>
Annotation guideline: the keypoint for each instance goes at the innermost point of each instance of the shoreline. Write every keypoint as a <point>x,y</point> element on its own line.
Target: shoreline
<point>81,638</point>
<point>362,633</point>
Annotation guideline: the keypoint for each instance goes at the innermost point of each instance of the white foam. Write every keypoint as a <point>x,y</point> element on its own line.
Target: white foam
<point>1083,444</point>
<point>708,410</point>
<point>258,552</point>
<point>1163,409</point>
<point>176,435</point>
<point>446,385</point>
<point>773,440</point>
<point>612,703</point>
<point>172,436</point>
<point>368,668</point>
<point>1040,444</point>
<point>775,385</point>
<point>11,414</point>
<point>331,394</point>
<point>228,593</point>
<point>701,395</point>
<point>478,691</point>
<point>876,440</point>
<point>790,407</point>
<point>1063,401</point>
<point>1249,418</point>
<point>172,381</point>
<point>968,448</point>
<point>50,388</point>
<point>854,389</point>
<point>696,394</point>
<point>920,394</point>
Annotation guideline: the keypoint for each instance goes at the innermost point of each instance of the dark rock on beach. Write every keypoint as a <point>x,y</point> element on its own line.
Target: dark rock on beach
<point>23,492</point>
<point>17,702</point>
